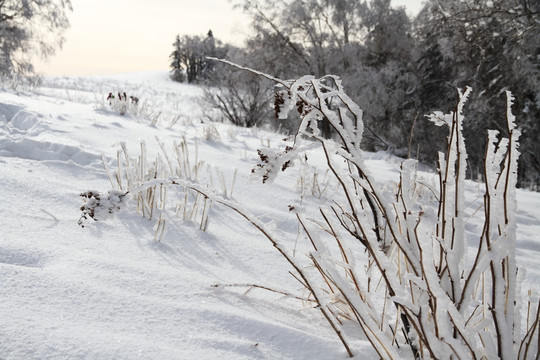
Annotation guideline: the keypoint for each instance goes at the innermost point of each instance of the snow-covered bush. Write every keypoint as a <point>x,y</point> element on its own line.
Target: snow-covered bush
<point>397,264</point>
<point>141,179</point>
<point>238,98</point>
<point>432,296</point>
<point>100,206</point>
<point>122,103</point>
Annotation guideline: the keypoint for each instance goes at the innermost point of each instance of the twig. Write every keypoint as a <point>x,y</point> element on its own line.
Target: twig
<point>282,292</point>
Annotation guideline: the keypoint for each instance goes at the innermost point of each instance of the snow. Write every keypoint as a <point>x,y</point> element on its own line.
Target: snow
<point>109,290</point>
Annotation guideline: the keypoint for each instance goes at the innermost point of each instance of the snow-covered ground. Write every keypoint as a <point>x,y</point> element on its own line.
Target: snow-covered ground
<point>110,290</point>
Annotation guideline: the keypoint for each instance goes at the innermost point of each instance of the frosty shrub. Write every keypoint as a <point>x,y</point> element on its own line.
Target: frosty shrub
<point>211,133</point>
<point>410,287</point>
<point>394,263</point>
<point>237,98</point>
<point>20,81</point>
<point>122,103</point>
<point>154,183</point>
<point>100,206</point>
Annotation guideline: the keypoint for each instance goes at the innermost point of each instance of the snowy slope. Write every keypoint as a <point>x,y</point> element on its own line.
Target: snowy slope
<point>109,290</point>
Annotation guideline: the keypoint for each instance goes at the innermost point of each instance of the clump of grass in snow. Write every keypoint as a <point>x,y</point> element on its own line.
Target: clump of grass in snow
<point>231,133</point>
<point>100,206</point>
<point>149,183</point>
<point>310,181</point>
<point>211,133</point>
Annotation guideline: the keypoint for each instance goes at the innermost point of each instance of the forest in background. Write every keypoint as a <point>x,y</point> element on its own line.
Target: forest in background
<point>396,68</point>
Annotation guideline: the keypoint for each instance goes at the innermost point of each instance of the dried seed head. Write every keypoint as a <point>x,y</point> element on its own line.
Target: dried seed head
<point>278,102</point>
<point>285,165</point>
<point>263,157</point>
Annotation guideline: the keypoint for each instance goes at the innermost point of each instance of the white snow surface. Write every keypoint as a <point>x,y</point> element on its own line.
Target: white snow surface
<point>110,290</point>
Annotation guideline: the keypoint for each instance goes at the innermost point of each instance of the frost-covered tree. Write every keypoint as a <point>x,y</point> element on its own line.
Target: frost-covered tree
<point>368,43</point>
<point>489,45</point>
<point>382,80</point>
<point>315,36</point>
<point>189,56</point>
<point>389,33</point>
<point>177,68</point>
<point>30,27</point>
<point>398,69</point>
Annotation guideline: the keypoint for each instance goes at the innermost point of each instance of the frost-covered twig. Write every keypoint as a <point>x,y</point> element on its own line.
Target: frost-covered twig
<point>263,287</point>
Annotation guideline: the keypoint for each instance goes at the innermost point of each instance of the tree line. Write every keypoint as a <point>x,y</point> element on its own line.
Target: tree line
<point>397,68</point>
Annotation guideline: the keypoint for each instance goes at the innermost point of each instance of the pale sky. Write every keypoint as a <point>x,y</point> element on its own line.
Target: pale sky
<point>117,36</point>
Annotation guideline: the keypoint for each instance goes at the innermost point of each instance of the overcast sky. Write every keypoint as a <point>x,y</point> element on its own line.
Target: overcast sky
<point>115,36</point>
